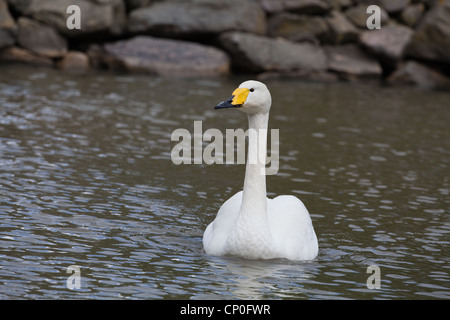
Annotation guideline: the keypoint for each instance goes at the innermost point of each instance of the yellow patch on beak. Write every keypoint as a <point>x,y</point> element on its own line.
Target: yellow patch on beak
<point>239,96</point>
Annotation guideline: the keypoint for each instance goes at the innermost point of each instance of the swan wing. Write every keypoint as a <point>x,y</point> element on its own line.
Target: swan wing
<point>217,232</point>
<point>291,228</point>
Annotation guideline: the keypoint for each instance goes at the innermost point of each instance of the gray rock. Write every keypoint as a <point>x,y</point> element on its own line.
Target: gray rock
<point>198,18</point>
<point>394,6</point>
<point>144,54</point>
<point>340,4</point>
<point>97,17</point>
<point>74,61</point>
<point>255,53</point>
<point>349,61</point>
<point>296,27</point>
<point>310,75</point>
<point>418,74</point>
<point>387,43</point>
<point>341,30</point>
<point>20,55</point>
<point>432,38</point>
<point>412,14</point>
<point>297,6</point>
<point>8,28</point>
<point>40,38</point>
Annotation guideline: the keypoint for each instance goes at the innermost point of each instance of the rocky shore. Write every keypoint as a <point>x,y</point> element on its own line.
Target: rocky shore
<point>321,40</point>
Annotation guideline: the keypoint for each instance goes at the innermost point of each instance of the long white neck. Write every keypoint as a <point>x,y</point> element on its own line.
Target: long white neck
<point>254,201</point>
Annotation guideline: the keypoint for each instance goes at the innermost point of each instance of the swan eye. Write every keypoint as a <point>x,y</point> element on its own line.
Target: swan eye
<point>251,90</point>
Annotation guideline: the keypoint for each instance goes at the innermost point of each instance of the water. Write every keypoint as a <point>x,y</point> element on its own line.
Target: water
<point>86,179</point>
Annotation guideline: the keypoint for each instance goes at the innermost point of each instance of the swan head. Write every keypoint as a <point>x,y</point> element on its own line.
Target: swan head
<point>250,97</point>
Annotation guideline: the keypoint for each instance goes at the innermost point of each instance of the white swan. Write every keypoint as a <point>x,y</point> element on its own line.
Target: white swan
<point>249,224</point>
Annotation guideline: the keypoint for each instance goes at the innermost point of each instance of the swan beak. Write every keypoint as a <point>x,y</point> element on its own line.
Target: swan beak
<point>237,100</point>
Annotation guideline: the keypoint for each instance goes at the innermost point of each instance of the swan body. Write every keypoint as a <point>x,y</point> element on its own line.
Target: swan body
<point>249,224</point>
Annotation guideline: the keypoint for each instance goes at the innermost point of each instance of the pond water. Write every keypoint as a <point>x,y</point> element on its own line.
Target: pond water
<point>86,180</point>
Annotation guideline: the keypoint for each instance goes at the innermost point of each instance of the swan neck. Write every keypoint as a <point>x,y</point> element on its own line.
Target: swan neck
<point>254,194</point>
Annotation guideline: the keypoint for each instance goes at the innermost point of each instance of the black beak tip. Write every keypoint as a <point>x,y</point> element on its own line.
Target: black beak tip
<point>227,104</point>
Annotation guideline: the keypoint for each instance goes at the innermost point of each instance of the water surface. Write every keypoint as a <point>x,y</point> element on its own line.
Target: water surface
<point>86,179</point>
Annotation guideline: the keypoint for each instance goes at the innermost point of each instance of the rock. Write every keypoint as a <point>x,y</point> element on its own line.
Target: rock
<point>341,30</point>
<point>387,43</point>
<point>20,55</point>
<point>97,16</point>
<point>349,61</point>
<point>145,54</point>
<point>393,6</point>
<point>296,27</point>
<point>297,6</point>
<point>74,61</point>
<point>255,53</point>
<point>412,14</point>
<point>201,17</point>
<point>415,73</point>
<point>358,16</point>
<point>311,75</point>
<point>8,28</point>
<point>40,38</point>
<point>340,4</point>
<point>432,38</point>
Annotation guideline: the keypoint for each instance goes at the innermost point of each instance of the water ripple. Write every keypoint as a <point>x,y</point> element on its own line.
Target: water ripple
<point>86,179</point>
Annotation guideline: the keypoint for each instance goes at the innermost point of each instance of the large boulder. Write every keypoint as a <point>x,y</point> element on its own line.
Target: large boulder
<point>387,43</point>
<point>183,18</point>
<point>97,16</point>
<point>412,14</point>
<point>8,28</point>
<point>21,55</point>
<point>255,53</point>
<point>297,6</point>
<point>297,27</point>
<point>40,38</point>
<point>393,6</point>
<point>432,38</point>
<point>74,61</point>
<point>145,54</point>
<point>418,74</point>
<point>350,62</point>
<point>341,30</point>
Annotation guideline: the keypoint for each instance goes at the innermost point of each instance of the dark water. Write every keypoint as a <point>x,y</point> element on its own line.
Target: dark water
<point>86,179</point>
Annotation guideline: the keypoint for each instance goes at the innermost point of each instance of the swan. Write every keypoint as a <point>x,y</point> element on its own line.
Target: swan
<point>250,225</point>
